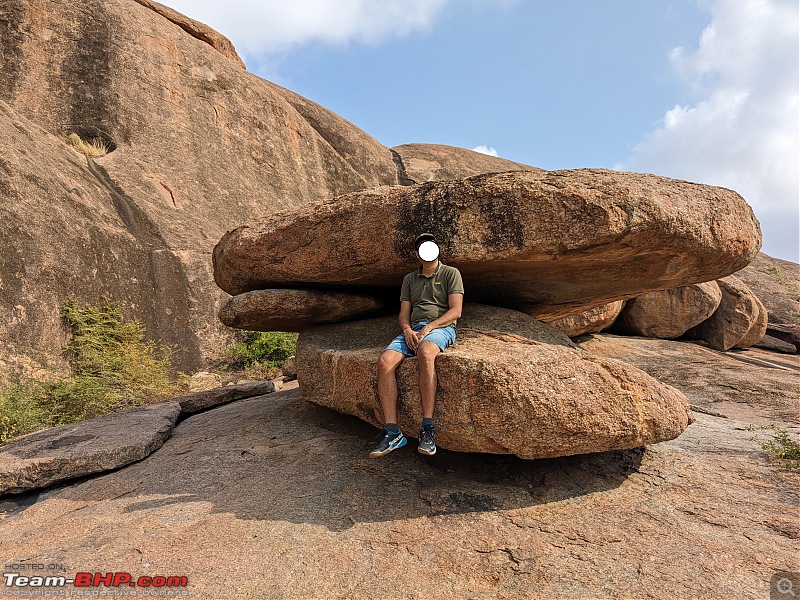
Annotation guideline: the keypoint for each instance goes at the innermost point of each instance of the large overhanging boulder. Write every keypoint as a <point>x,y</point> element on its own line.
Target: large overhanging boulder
<point>509,385</point>
<point>547,243</point>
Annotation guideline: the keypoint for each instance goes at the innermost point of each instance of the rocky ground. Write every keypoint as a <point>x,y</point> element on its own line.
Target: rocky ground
<point>273,497</point>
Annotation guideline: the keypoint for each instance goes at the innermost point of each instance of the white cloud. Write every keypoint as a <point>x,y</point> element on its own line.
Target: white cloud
<point>485,150</point>
<point>264,27</point>
<point>742,130</point>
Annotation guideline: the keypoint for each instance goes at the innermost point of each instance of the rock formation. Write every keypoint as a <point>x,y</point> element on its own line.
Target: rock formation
<point>197,146</point>
<point>757,329</point>
<point>433,162</point>
<point>294,310</point>
<point>60,453</point>
<point>776,283</point>
<point>547,243</point>
<point>591,321</point>
<point>668,314</point>
<point>509,385</point>
<point>738,313</point>
<point>287,484</point>
<point>229,148</point>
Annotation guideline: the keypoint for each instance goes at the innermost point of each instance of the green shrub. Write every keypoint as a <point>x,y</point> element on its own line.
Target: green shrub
<point>270,348</point>
<point>783,449</point>
<point>113,367</point>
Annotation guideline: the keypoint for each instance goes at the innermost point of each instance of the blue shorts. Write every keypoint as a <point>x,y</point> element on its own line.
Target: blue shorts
<point>442,337</point>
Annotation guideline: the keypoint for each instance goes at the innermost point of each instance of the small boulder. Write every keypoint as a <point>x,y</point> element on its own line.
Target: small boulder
<point>289,368</point>
<point>668,314</point>
<point>593,320</point>
<point>203,381</point>
<point>786,332</point>
<point>776,345</point>
<point>758,329</point>
<point>738,311</point>
<point>509,385</point>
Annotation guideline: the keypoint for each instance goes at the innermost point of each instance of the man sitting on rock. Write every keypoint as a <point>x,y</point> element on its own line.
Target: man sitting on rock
<point>430,303</point>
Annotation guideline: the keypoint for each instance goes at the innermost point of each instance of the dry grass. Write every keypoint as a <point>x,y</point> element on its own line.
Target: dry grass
<point>93,148</point>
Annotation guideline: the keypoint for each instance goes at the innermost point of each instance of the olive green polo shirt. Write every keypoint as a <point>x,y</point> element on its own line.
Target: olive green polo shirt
<point>428,295</point>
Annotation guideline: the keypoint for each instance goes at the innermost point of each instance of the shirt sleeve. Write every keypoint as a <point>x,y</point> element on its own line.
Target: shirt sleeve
<point>405,290</point>
<point>454,283</point>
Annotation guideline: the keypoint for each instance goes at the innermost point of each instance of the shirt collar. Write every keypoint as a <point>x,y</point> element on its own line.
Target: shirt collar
<point>436,272</point>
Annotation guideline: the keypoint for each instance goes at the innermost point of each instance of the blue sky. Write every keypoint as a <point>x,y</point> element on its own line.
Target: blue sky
<point>704,90</point>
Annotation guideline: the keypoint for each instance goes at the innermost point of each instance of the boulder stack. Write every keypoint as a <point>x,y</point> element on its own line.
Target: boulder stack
<point>530,245</point>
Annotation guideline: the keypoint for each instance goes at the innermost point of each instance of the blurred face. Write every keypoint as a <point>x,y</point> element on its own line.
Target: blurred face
<point>428,251</point>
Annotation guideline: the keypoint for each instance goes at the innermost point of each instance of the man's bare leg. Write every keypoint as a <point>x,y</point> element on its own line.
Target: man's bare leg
<point>387,383</point>
<point>426,355</point>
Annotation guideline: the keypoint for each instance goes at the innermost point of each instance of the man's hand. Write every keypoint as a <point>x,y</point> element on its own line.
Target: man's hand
<point>411,338</point>
<point>417,336</point>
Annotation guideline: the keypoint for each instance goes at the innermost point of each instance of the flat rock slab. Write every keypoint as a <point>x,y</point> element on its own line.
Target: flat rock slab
<point>279,499</point>
<point>509,385</point>
<point>200,401</point>
<point>294,310</point>
<point>50,456</point>
<point>753,384</point>
<point>547,243</point>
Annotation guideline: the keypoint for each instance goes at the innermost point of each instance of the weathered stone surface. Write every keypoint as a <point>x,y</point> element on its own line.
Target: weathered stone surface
<point>737,312</point>
<point>786,332</point>
<point>50,456</point>
<point>670,313</point>
<point>196,29</point>
<point>200,401</point>
<point>436,162</point>
<point>290,483</point>
<point>776,283</point>
<point>753,385</point>
<point>199,146</point>
<point>547,243</point>
<point>294,310</point>
<point>757,329</point>
<point>776,345</point>
<point>593,320</point>
<point>509,385</point>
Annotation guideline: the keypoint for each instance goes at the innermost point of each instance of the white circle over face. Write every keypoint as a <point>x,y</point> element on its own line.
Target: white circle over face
<point>428,251</point>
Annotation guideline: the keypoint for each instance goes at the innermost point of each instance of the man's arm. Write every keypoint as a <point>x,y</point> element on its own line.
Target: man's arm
<point>405,315</point>
<point>455,302</point>
<point>405,324</point>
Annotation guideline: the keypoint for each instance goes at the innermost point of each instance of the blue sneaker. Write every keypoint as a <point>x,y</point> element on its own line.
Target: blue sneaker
<point>390,440</point>
<point>427,443</point>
